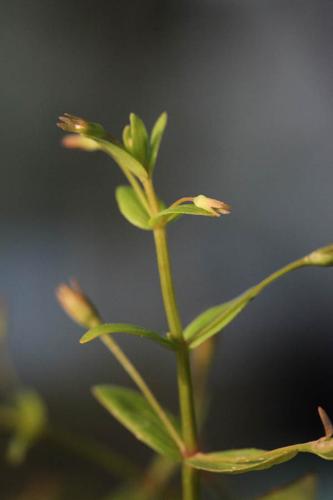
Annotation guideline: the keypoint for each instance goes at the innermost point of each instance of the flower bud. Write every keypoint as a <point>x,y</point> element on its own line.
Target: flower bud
<point>321,257</point>
<point>77,125</point>
<point>77,305</point>
<point>215,207</point>
<point>73,141</point>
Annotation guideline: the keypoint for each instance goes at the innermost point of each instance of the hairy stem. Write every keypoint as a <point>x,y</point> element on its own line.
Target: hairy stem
<point>190,477</point>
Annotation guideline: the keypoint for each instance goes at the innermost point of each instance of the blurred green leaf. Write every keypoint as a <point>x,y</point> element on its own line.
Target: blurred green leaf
<point>133,412</point>
<point>127,138</point>
<point>131,207</point>
<point>170,214</point>
<point>139,139</point>
<point>124,159</point>
<point>29,424</point>
<point>302,489</point>
<point>138,331</point>
<point>250,459</point>
<point>156,138</point>
<point>213,320</point>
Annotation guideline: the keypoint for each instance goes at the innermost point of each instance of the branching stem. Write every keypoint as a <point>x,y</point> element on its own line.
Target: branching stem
<point>190,477</point>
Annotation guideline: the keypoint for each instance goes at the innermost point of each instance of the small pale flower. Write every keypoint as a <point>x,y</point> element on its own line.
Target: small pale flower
<point>71,123</point>
<point>215,207</point>
<point>321,257</point>
<point>77,305</point>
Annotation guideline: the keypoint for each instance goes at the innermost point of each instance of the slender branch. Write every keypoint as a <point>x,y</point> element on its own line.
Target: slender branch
<point>137,188</point>
<point>141,384</point>
<point>184,199</point>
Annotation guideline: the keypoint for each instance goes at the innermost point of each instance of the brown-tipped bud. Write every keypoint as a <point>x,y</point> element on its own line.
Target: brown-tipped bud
<point>215,207</point>
<point>77,125</point>
<point>321,257</point>
<point>77,305</point>
<point>73,141</point>
<point>71,123</point>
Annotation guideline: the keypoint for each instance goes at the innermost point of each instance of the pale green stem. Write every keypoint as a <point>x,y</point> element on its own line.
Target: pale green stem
<point>277,274</point>
<point>251,293</point>
<point>133,182</point>
<point>141,384</point>
<point>137,188</point>
<point>190,477</point>
<point>184,199</point>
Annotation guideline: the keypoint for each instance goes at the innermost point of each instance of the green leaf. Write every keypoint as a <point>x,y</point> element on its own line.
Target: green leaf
<point>30,421</point>
<point>139,136</point>
<point>302,489</point>
<point>123,158</point>
<point>251,459</point>
<point>127,138</point>
<point>133,412</point>
<point>213,320</point>
<point>131,207</point>
<point>109,328</point>
<point>172,213</point>
<point>156,138</point>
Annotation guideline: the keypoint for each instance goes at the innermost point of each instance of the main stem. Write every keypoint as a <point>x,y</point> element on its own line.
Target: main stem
<point>190,476</point>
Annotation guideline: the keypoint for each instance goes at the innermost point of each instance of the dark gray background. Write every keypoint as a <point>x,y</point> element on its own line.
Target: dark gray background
<point>248,89</point>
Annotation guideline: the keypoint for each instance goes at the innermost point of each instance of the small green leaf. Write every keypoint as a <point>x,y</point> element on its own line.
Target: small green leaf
<point>124,159</point>
<point>250,459</point>
<point>138,331</point>
<point>131,207</point>
<point>156,138</point>
<point>30,420</point>
<point>302,489</point>
<point>133,412</point>
<point>172,213</point>
<point>213,320</point>
<point>127,138</point>
<point>139,137</point>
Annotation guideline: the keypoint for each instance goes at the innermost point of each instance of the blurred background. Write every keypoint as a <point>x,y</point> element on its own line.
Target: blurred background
<point>248,89</point>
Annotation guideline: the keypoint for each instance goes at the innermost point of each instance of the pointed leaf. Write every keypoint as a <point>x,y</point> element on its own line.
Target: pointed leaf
<point>250,459</point>
<point>133,412</point>
<point>302,489</point>
<point>123,158</point>
<point>109,328</point>
<point>213,320</point>
<point>127,138</point>
<point>131,207</point>
<point>139,138</point>
<point>172,213</point>
<point>156,138</point>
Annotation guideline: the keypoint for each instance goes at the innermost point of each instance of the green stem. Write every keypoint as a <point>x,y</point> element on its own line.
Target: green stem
<point>137,188</point>
<point>141,384</point>
<point>277,274</point>
<point>190,477</point>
